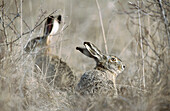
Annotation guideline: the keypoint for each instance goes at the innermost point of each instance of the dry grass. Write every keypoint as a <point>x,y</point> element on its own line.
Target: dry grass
<point>141,43</point>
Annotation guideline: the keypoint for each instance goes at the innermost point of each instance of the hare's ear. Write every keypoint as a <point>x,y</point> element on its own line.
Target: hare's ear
<point>48,25</point>
<point>93,50</point>
<point>59,19</point>
<point>84,51</point>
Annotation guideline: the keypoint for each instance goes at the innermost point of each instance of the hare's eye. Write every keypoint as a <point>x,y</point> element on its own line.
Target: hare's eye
<point>113,59</point>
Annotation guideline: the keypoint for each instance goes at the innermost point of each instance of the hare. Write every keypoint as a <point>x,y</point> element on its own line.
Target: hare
<point>50,29</point>
<point>100,78</point>
<point>56,71</point>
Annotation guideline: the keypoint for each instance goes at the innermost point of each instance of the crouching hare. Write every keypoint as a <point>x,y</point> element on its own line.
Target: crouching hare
<point>103,76</point>
<point>56,71</point>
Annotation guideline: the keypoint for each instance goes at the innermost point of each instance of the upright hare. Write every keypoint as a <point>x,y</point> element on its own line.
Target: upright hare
<point>51,27</point>
<point>56,71</point>
<point>99,79</point>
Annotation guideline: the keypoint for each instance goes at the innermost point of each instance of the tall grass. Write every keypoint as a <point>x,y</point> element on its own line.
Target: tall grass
<point>137,32</point>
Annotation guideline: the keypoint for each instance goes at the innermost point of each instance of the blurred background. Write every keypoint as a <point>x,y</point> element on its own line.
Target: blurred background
<point>136,31</point>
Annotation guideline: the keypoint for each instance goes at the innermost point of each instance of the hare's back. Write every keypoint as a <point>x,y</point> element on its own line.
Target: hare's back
<point>94,82</point>
<point>56,71</point>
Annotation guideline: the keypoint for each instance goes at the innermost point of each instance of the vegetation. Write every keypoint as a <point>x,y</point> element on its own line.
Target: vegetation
<point>138,32</point>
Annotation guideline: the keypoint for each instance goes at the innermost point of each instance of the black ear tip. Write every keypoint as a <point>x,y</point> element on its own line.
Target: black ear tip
<point>51,17</point>
<point>59,18</point>
<point>77,48</point>
<point>86,43</point>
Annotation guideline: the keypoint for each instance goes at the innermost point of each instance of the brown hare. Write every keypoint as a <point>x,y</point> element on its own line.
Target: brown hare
<point>51,27</point>
<point>99,79</point>
<point>56,71</point>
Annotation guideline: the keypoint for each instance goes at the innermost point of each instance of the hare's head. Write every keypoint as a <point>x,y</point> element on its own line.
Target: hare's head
<point>51,27</point>
<point>107,62</point>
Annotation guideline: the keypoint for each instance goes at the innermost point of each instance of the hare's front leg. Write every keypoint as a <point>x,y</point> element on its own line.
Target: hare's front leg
<point>114,83</point>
